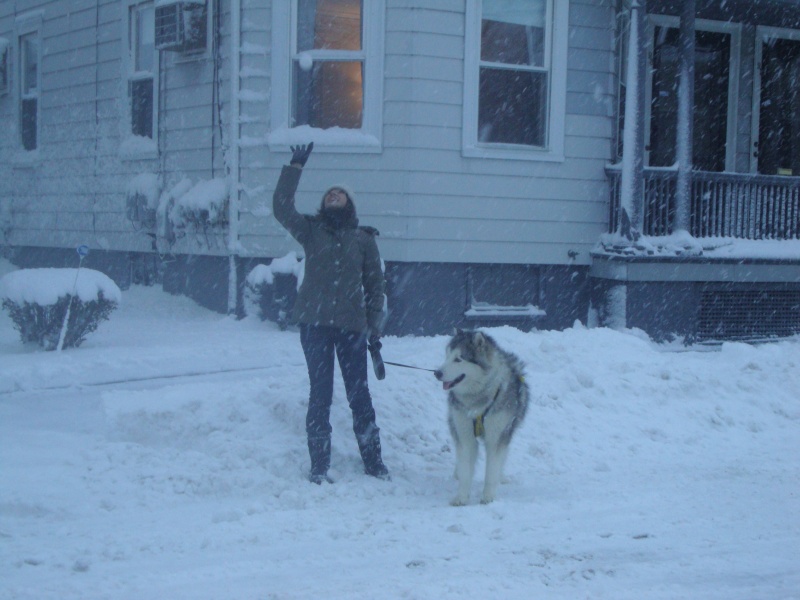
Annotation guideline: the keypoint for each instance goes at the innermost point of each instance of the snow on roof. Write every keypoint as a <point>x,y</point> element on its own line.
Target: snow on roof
<point>46,286</point>
<point>683,244</point>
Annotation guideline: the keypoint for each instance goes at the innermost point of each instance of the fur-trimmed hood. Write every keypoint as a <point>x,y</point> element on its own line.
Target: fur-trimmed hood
<point>340,217</point>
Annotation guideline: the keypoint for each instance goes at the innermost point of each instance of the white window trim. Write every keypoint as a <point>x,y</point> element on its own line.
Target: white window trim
<point>130,149</point>
<point>558,19</point>
<point>761,33</point>
<point>25,25</point>
<point>369,137</point>
<point>735,31</point>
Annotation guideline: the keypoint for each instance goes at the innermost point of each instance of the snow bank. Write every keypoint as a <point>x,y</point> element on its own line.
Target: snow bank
<point>167,459</point>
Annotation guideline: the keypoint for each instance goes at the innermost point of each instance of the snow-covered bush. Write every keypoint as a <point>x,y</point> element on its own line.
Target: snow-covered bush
<point>38,300</point>
<point>271,290</point>
<point>142,199</point>
<point>204,205</point>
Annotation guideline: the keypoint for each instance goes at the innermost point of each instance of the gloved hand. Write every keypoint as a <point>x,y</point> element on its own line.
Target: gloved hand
<point>374,345</point>
<point>374,342</point>
<point>300,154</point>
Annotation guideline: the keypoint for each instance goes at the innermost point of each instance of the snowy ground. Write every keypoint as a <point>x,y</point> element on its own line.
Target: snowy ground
<point>165,459</point>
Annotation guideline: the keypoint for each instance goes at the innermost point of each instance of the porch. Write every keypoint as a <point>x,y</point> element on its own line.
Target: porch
<point>704,195</point>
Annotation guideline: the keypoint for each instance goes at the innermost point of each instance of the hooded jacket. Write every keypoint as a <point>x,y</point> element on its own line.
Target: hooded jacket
<point>343,285</point>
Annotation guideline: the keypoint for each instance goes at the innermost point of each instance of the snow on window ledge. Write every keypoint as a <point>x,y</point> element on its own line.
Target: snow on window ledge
<point>511,152</point>
<point>26,158</point>
<point>484,310</point>
<point>335,139</point>
<point>138,147</point>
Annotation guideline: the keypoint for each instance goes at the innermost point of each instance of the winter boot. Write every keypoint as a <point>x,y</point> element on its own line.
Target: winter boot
<point>319,450</point>
<point>370,446</point>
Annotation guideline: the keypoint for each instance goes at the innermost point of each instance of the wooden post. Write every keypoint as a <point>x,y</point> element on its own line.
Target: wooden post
<point>631,214</point>
<point>685,118</point>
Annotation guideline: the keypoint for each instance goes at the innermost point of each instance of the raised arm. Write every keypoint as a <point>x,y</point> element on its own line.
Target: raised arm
<point>283,199</point>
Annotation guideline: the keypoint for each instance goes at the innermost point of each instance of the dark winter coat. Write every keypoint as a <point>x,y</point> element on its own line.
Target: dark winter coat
<point>343,284</point>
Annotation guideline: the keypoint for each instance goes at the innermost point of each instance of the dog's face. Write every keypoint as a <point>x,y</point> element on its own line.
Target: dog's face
<point>466,360</point>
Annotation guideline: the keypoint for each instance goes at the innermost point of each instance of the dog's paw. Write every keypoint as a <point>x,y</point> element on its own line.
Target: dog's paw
<point>487,498</point>
<point>459,501</point>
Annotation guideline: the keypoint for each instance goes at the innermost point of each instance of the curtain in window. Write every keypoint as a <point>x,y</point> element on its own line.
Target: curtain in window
<point>513,84</point>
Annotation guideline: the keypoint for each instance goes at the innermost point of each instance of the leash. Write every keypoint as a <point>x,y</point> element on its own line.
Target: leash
<point>386,362</point>
<point>378,363</point>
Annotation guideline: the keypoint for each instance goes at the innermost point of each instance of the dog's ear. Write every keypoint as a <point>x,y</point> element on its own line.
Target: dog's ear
<point>457,331</point>
<point>479,339</point>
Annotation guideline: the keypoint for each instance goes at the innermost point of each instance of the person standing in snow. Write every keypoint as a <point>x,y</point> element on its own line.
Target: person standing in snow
<point>339,307</point>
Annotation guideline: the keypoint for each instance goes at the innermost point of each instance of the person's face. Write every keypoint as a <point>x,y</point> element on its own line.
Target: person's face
<point>336,198</point>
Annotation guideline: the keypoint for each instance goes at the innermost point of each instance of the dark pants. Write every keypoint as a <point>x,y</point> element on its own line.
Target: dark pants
<point>319,344</point>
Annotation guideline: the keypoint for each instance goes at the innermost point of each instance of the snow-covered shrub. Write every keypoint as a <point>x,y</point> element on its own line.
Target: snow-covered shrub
<point>271,290</point>
<point>38,300</point>
<point>204,205</point>
<point>142,199</point>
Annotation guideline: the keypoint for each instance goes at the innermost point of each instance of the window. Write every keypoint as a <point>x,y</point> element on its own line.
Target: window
<point>3,65</point>
<point>29,89</point>
<point>715,77</point>
<point>330,62</point>
<point>776,122</point>
<point>142,66</point>
<point>515,78</point>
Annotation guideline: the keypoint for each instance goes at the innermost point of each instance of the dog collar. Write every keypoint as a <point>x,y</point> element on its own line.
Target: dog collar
<point>477,422</point>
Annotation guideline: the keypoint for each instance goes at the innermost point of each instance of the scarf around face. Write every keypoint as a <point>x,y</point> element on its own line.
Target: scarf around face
<point>337,218</point>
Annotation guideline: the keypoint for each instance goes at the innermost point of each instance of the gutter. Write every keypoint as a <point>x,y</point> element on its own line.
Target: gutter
<point>234,201</point>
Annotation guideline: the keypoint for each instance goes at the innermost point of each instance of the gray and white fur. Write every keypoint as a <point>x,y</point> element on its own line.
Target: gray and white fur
<point>487,398</point>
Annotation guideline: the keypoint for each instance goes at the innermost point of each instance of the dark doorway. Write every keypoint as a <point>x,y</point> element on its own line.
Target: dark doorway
<point>711,79</point>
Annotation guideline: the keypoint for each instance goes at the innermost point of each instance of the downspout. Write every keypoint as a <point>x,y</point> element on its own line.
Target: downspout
<point>685,132</point>
<point>234,201</point>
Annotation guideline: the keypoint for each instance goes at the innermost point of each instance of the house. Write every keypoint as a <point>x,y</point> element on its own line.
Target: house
<point>521,159</point>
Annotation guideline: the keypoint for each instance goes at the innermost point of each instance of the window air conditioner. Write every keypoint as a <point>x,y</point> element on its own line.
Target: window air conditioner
<point>181,25</point>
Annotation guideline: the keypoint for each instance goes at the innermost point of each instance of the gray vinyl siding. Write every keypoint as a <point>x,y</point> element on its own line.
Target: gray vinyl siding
<point>430,202</point>
<point>74,191</point>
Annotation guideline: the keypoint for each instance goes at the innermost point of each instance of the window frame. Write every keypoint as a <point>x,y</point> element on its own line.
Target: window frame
<point>284,52</point>
<point>557,17</point>
<point>130,75</point>
<point>26,27</point>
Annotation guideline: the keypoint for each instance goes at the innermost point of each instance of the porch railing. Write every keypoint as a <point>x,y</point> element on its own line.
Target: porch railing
<point>738,205</point>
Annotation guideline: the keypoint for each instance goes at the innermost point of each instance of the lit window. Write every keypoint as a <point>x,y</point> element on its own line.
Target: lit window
<point>515,76</point>
<point>29,89</point>
<point>330,65</point>
<point>142,63</point>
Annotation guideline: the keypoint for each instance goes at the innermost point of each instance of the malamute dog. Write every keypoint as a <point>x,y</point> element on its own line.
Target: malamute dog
<point>487,398</point>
